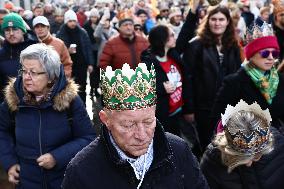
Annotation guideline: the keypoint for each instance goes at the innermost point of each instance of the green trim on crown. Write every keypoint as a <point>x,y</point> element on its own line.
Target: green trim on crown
<point>128,93</point>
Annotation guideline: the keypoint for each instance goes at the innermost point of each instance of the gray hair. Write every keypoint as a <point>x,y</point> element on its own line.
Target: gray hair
<point>246,121</point>
<point>47,57</point>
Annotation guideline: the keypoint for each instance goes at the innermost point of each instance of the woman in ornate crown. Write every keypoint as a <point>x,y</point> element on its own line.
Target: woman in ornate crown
<point>257,80</point>
<point>246,153</point>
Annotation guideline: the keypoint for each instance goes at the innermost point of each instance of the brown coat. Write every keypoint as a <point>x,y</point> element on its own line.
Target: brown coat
<point>118,51</point>
<point>62,50</point>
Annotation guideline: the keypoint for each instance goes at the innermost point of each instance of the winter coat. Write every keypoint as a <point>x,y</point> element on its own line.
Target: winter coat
<point>266,173</point>
<point>206,73</point>
<point>162,108</point>
<point>118,51</point>
<point>279,33</point>
<point>240,86</point>
<point>102,36</point>
<point>100,166</point>
<point>187,31</point>
<point>62,50</point>
<point>42,129</point>
<point>85,43</point>
<point>10,61</point>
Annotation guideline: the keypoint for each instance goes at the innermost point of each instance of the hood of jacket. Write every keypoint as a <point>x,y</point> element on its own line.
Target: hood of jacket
<point>62,94</point>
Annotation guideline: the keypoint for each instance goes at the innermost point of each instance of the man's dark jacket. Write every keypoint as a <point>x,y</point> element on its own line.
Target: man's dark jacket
<point>99,166</point>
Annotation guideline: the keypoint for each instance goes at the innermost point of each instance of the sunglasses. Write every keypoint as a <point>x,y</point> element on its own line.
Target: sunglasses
<point>266,53</point>
<point>137,28</point>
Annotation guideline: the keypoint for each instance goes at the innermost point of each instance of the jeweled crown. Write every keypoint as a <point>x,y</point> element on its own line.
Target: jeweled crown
<point>246,140</point>
<point>257,31</point>
<point>128,89</point>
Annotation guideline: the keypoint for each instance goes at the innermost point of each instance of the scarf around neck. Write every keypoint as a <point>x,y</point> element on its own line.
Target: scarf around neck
<point>140,165</point>
<point>266,82</point>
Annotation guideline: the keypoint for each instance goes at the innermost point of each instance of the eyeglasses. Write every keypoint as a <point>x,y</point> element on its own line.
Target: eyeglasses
<point>166,10</point>
<point>32,74</point>
<point>7,31</point>
<point>137,28</point>
<point>266,53</point>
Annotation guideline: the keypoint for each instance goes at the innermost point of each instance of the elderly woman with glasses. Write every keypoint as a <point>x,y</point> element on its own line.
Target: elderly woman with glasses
<point>246,153</point>
<point>257,80</point>
<point>43,121</point>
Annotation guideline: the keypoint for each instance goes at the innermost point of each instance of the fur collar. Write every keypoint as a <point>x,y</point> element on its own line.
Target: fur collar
<point>61,101</point>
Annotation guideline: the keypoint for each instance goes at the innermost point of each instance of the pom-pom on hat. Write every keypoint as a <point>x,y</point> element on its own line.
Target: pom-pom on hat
<point>13,20</point>
<point>259,38</point>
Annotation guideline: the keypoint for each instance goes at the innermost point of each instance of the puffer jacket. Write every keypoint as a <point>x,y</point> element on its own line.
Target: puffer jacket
<point>266,173</point>
<point>10,61</point>
<point>42,129</point>
<point>99,166</point>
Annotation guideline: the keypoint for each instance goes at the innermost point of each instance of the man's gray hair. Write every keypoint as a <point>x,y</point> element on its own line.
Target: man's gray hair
<point>47,57</point>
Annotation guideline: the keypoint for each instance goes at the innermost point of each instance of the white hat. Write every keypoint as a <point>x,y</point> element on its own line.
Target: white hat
<point>40,20</point>
<point>70,15</point>
<point>94,12</point>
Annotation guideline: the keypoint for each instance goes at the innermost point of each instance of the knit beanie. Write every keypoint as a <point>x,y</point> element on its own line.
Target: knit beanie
<point>13,20</point>
<point>94,13</point>
<point>70,15</point>
<point>125,20</point>
<point>259,44</point>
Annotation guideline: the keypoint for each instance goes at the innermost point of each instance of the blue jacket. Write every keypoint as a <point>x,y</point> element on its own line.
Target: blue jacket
<point>10,61</point>
<point>43,129</point>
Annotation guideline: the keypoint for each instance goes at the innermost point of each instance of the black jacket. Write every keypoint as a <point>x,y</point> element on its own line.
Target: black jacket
<point>267,173</point>
<point>99,166</point>
<point>240,86</point>
<point>205,73</point>
<point>162,110</point>
<point>84,40</point>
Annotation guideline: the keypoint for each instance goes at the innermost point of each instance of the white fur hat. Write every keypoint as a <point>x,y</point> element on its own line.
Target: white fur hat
<point>70,15</point>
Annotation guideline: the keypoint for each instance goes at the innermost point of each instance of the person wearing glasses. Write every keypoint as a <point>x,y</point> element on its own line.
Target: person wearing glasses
<point>247,152</point>
<point>133,151</point>
<point>16,39</point>
<point>257,80</point>
<point>43,121</point>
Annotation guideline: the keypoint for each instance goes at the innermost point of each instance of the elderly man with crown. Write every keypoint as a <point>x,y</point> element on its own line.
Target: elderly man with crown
<point>132,150</point>
<point>257,80</point>
<point>246,152</point>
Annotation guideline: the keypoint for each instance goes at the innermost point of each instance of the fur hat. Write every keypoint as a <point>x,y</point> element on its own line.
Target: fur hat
<point>70,15</point>
<point>13,20</point>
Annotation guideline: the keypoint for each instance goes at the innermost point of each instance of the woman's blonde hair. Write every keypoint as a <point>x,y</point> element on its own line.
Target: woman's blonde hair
<point>248,122</point>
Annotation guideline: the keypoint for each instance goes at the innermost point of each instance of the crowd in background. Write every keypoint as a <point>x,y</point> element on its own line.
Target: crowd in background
<point>192,45</point>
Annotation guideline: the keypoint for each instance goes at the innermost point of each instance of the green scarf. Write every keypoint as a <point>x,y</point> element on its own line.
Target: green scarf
<point>266,83</point>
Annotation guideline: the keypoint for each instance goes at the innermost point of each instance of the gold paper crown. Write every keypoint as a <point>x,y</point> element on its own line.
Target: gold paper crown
<point>278,6</point>
<point>128,89</point>
<point>246,140</point>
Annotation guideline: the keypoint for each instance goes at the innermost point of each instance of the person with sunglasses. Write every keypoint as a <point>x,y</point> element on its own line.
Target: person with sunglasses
<point>257,80</point>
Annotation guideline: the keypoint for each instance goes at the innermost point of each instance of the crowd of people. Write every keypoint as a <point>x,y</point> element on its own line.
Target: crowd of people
<point>191,94</point>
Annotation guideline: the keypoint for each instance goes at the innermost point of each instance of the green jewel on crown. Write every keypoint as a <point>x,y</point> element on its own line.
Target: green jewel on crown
<point>128,89</point>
